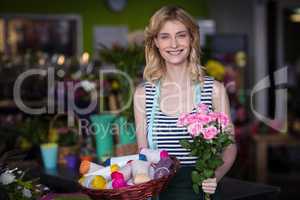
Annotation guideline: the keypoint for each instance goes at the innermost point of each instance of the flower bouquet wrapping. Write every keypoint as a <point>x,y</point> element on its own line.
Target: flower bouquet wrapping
<point>211,134</point>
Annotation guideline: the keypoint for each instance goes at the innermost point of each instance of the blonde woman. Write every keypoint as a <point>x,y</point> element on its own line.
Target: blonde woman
<point>173,80</point>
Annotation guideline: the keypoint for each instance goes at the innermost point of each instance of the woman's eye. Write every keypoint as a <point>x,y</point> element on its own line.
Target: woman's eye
<point>182,35</point>
<point>164,37</point>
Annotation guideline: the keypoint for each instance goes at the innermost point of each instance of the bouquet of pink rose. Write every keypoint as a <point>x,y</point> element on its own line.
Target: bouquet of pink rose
<point>211,134</point>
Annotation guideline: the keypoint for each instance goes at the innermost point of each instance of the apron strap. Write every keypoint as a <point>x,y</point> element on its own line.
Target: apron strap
<point>152,144</point>
<point>197,94</point>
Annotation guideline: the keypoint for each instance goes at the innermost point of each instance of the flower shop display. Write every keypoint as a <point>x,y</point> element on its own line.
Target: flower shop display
<point>67,138</point>
<point>137,176</point>
<point>211,134</point>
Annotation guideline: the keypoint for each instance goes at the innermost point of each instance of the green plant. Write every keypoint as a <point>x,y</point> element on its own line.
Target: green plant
<point>60,132</point>
<point>34,130</point>
<point>67,136</point>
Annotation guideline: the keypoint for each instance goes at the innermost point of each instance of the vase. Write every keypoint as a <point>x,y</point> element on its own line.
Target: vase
<point>49,155</point>
<point>65,151</point>
<point>103,135</point>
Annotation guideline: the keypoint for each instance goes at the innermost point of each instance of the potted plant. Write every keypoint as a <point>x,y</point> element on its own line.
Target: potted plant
<point>34,134</point>
<point>67,138</point>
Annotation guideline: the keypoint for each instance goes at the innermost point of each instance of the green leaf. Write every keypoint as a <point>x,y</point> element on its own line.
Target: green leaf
<point>208,173</point>
<point>185,144</point>
<point>206,155</point>
<point>194,152</point>
<point>215,163</point>
<point>195,177</point>
<point>200,164</point>
<point>196,188</point>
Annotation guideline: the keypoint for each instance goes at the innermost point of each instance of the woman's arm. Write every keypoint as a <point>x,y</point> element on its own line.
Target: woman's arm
<point>221,104</point>
<point>140,116</point>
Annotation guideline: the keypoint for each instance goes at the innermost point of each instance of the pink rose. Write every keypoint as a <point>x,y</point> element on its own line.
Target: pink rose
<point>213,115</point>
<point>195,129</point>
<point>182,120</point>
<point>210,133</point>
<point>202,108</point>
<point>204,118</point>
<point>223,119</point>
<point>191,118</point>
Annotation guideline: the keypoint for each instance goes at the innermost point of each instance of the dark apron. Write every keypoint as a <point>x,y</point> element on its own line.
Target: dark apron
<point>180,188</point>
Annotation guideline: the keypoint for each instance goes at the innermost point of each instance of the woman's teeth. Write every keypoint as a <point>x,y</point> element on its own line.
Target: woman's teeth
<point>175,53</point>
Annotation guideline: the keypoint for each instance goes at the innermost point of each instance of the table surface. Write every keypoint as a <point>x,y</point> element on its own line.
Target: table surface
<point>64,180</point>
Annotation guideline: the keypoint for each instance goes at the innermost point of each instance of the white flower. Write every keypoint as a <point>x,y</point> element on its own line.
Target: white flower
<point>87,85</point>
<point>7,178</point>
<point>26,193</point>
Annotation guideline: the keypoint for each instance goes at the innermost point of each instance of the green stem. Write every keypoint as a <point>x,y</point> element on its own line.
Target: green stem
<point>207,196</point>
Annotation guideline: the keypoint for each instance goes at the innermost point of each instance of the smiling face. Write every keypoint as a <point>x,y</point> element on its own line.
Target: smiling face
<point>173,42</point>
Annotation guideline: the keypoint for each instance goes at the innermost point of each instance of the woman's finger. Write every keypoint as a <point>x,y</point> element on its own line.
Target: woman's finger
<point>209,184</point>
<point>209,191</point>
<point>208,188</point>
<point>211,180</point>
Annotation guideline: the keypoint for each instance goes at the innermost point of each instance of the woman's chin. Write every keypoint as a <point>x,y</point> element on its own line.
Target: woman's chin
<point>175,63</point>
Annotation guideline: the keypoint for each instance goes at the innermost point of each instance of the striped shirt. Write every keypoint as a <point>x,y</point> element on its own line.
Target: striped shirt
<point>165,132</point>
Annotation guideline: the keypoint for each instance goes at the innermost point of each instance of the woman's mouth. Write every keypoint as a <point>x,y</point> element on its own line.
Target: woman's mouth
<point>175,52</point>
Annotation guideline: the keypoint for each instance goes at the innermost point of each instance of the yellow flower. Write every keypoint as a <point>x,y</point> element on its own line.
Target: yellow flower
<point>115,85</point>
<point>25,144</point>
<point>53,135</point>
<point>215,69</point>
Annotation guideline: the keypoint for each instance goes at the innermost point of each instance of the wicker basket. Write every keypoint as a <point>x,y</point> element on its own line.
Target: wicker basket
<point>135,192</point>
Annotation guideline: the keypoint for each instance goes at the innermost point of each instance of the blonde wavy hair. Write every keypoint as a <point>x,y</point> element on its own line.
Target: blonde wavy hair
<point>155,65</point>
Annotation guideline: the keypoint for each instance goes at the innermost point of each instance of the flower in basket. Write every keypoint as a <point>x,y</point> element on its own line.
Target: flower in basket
<point>211,134</point>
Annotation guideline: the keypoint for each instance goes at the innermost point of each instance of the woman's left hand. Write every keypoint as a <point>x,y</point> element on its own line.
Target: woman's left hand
<point>209,185</point>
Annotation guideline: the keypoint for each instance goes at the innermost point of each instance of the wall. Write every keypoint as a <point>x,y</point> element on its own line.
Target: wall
<point>96,12</point>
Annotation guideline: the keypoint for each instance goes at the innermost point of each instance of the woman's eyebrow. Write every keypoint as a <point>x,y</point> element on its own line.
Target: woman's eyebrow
<point>179,32</point>
<point>163,33</point>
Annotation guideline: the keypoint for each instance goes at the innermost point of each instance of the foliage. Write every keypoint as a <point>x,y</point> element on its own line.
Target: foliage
<point>61,133</point>
<point>34,131</point>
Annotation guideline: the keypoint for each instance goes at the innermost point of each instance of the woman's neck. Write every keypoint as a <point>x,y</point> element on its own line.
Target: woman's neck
<point>177,74</point>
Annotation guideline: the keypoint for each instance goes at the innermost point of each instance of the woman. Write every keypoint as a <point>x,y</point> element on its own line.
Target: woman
<point>172,75</point>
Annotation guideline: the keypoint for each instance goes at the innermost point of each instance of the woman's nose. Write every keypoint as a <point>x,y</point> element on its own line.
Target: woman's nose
<point>174,43</point>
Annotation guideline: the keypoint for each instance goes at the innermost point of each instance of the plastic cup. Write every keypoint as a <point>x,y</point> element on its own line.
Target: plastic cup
<point>49,155</point>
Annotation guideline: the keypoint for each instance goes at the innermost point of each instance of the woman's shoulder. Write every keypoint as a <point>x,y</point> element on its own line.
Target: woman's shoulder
<point>142,87</point>
<point>218,88</point>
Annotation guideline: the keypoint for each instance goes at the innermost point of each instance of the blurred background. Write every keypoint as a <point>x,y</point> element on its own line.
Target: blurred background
<point>252,46</point>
